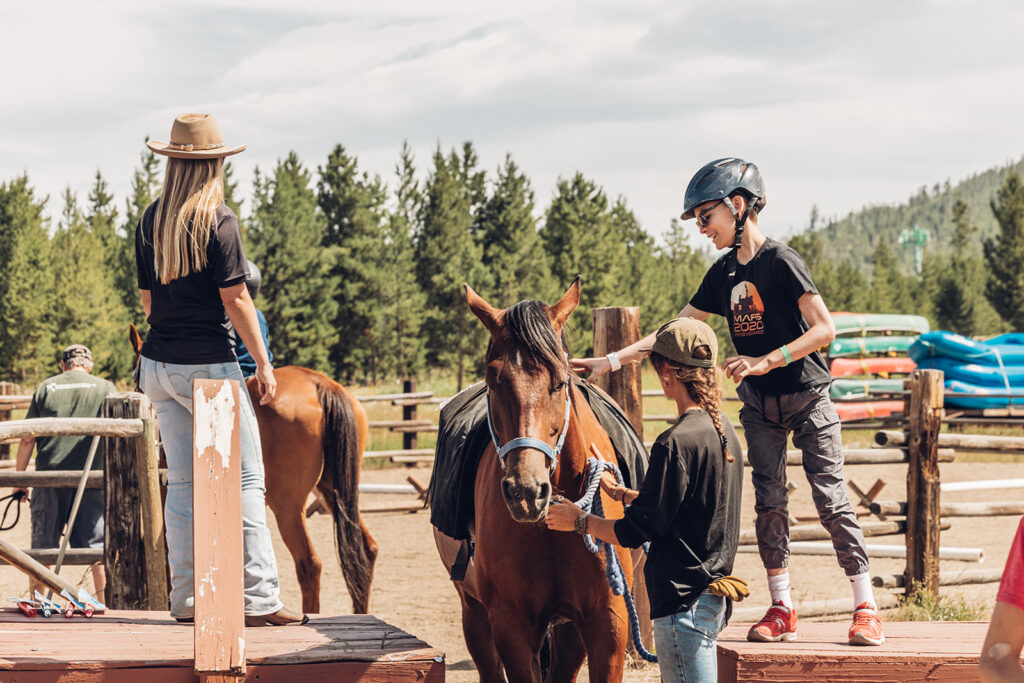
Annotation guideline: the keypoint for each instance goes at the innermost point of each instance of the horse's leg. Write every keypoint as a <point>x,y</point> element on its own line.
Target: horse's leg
<point>605,631</point>
<point>567,653</point>
<point>291,522</point>
<point>518,639</point>
<point>476,629</point>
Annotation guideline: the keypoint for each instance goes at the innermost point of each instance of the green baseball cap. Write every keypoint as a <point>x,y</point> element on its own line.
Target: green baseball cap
<point>677,339</point>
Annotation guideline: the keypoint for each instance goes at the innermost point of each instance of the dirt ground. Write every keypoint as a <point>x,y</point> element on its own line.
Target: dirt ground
<point>411,589</point>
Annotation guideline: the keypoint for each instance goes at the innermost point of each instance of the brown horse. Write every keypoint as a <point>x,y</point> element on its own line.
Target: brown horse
<point>313,434</point>
<point>524,578</point>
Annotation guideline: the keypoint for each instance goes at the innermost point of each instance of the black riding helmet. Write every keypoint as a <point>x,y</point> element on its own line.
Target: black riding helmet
<point>252,283</point>
<point>721,179</point>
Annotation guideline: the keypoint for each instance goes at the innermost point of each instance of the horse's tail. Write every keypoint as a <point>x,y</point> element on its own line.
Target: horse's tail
<point>342,458</point>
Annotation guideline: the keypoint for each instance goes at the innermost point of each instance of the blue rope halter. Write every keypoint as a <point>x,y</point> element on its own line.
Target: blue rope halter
<point>591,502</point>
<point>530,442</point>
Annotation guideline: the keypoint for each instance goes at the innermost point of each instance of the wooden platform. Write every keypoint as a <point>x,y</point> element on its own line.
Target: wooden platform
<point>913,651</point>
<point>152,647</point>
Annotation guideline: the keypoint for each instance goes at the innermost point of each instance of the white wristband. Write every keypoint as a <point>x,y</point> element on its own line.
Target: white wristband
<point>613,360</point>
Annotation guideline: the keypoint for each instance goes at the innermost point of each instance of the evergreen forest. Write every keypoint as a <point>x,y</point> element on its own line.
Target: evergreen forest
<point>362,274</point>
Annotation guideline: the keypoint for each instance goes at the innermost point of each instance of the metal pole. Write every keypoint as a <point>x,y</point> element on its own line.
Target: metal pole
<point>74,509</point>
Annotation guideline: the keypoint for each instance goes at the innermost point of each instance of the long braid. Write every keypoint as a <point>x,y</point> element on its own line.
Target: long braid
<point>708,395</point>
<point>704,388</point>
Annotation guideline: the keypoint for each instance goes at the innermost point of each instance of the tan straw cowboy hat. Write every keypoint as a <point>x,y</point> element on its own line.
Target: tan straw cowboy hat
<point>194,136</point>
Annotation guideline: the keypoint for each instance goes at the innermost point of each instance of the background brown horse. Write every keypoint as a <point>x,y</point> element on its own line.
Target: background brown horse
<point>313,435</point>
<point>523,577</point>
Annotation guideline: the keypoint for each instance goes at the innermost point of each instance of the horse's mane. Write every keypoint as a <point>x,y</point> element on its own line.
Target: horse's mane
<point>529,330</point>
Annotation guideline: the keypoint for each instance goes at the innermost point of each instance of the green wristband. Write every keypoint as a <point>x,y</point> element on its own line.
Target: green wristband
<point>786,355</point>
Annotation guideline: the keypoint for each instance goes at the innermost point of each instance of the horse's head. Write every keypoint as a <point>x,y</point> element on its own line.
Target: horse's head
<point>136,341</point>
<point>527,379</point>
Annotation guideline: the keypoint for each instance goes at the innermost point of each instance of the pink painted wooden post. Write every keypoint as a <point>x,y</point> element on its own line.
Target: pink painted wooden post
<point>217,531</point>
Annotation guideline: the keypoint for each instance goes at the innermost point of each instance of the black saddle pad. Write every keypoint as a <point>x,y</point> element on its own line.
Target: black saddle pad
<point>462,436</point>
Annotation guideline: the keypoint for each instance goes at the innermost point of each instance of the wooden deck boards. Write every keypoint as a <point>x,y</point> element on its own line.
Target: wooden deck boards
<point>122,646</point>
<point>913,651</point>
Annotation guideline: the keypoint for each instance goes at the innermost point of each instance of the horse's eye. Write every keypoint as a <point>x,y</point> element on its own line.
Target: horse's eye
<point>558,387</point>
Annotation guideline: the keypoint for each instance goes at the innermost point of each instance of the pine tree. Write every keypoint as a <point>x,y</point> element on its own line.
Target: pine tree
<point>512,249</point>
<point>353,206</point>
<point>959,282</point>
<point>891,290</point>
<point>287,234</point>
<point>26,285</point>
<point>1004,254</point>
<point>231,190</point>
<point>402,302</point>
<point>145,189</point>
<point>448,253</point>
<point>579,235</point>
<point>113,356</point>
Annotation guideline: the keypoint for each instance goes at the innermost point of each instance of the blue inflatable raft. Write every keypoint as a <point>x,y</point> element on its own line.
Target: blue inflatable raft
<point>987,374</point>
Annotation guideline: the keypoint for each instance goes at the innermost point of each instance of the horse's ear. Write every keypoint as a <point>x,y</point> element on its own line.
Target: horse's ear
<point>135,338</point>
<point>559,313</point>
<point>489,315</point>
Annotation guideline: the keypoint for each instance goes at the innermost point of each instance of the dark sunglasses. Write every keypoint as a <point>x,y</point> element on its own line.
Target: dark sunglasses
<point>702,217</point>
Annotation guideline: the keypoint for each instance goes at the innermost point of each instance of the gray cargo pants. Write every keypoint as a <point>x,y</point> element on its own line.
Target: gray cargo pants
<point>811,417</point>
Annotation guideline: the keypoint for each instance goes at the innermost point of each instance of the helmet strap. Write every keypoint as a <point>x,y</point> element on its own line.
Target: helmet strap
<point>740,221</point>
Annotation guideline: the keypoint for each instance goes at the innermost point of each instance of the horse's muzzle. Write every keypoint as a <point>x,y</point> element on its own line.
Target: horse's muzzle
<point>526,501</point>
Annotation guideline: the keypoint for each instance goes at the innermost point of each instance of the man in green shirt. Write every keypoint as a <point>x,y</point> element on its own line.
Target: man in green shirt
<point>73,393</point>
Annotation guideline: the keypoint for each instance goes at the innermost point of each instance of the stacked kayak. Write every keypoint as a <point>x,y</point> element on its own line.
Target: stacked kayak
<point>987,374</point>
<point>874,323</point>
<point>867,351</point>
<point>864,346</point>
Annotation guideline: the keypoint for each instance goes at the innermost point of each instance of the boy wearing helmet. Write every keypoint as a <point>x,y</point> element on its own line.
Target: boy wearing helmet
<point>245,360</point>
<point>777,321</point>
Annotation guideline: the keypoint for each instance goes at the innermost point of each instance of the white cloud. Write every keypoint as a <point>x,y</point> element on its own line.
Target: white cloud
<point>841,104</point>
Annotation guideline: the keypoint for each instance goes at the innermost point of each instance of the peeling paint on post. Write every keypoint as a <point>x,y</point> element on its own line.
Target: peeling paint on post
<point>217,530</point>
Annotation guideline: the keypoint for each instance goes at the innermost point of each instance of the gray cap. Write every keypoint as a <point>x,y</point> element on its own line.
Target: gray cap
<point>677,339</point>
<point>76,351</point>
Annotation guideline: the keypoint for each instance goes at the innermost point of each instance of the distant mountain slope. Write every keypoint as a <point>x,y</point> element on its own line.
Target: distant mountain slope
<point>855,236</point>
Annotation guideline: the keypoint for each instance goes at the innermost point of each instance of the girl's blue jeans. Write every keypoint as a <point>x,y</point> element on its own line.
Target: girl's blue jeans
<point>687,641</point>
<point>169,387</point>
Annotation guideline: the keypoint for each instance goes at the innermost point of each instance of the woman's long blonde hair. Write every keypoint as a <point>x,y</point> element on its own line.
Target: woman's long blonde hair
<point>185,216</point>
<point>704,388</point>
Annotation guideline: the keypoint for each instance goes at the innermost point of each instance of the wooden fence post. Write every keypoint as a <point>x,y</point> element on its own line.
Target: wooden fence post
<point>6,389</point>
<point>409,413</point>
<point>615,328</point>
<point>217,531</point>
<point>925,420</point>
<point>134,552</point>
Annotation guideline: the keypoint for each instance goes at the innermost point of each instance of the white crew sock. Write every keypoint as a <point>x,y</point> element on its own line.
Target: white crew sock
<point>778,586</point>
<point>862,590</point>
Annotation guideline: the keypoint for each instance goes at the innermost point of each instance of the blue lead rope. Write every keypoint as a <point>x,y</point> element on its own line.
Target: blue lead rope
<point>591,502</point>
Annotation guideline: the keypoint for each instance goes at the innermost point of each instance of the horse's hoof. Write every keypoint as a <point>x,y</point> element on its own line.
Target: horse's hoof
<point>282,617</point>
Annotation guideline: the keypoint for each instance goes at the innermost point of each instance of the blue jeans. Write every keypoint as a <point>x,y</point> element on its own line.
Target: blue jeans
<point>686,642</point>
<point>169,387</point>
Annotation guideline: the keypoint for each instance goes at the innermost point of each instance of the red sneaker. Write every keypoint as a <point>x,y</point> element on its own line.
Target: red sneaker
<point>867,626</point>
<point>779,623</point>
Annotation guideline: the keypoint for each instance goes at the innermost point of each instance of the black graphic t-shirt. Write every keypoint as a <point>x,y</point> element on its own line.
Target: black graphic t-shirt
<point>760,301</point>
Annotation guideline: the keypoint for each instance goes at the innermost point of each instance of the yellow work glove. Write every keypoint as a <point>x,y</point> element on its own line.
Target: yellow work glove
<point>732,587</point>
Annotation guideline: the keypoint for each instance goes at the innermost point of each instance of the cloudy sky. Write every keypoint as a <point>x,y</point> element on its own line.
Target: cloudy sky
<point>841,104</point>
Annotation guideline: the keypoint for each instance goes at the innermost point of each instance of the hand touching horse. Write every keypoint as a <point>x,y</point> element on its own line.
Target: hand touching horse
<point>524,578</point>
<point>313,434</point>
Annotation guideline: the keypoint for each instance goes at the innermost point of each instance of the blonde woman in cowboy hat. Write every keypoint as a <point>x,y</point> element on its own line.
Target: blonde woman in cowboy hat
<point>191,275</point>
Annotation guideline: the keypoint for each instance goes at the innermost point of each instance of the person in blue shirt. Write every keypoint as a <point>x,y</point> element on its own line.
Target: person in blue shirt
<point>245,360</point>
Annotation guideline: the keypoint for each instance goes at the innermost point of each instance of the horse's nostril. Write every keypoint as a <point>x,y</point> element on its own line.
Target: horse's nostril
<point>544,491</point>
<point>506,488</point>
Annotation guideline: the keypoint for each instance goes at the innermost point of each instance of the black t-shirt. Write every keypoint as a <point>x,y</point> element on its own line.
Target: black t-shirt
<point>187,321</point>
<point>689,509</point>
<point>760,300</point>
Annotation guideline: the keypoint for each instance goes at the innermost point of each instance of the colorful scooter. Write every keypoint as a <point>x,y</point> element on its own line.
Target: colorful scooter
<point>26,606</point>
